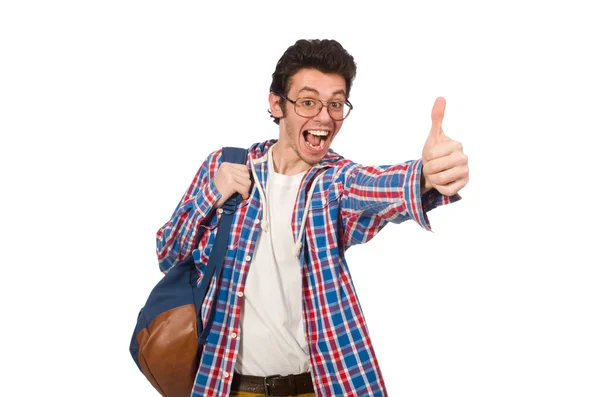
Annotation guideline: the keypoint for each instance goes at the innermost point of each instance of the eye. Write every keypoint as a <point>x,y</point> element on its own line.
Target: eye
<point>336,105</point>
<point>308,103</point>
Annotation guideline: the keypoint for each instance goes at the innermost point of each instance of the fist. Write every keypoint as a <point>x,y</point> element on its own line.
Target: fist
<point>231,178</point>
<point>445,166</point>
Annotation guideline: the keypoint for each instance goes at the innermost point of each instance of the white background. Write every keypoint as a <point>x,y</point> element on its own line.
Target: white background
<point>107,110</point>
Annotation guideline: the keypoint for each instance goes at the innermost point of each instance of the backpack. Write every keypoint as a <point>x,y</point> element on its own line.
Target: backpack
<point>169,336</point>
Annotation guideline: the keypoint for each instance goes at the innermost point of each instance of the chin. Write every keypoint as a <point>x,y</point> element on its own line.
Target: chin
<point>311,157</point>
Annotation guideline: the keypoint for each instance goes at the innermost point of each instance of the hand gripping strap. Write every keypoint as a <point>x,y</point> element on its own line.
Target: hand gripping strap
<point>219,249</point>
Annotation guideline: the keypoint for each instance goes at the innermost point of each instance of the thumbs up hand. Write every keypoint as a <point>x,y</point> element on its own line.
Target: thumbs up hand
<point>445,166</point>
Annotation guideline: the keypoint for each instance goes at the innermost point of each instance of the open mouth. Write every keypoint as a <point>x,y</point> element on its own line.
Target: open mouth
<point>315,139</point>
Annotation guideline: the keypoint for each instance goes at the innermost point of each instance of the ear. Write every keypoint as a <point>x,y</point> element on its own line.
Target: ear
<point>275,105</point>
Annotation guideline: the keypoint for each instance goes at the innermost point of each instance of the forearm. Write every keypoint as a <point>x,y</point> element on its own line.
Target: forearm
<point>177,238</point>
<point>180,235</point>
<point>374,196</point>
<point>387,192</point>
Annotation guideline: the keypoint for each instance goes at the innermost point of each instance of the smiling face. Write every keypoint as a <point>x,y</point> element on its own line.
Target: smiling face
<point>303,142</point>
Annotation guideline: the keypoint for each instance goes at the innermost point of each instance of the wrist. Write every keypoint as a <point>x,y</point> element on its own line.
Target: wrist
<point>425,186</point>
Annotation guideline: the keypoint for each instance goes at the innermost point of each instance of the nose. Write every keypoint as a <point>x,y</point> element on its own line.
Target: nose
<point>323,116</point>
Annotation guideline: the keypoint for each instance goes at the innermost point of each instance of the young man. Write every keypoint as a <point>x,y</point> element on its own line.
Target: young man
<point>286,303</point>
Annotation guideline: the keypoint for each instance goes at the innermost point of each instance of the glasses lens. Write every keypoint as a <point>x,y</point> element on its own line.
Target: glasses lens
<point>309,107</point>
<point>338,110</point>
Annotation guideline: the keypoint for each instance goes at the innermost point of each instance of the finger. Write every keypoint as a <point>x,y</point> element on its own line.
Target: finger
<point>449,176</point>
<point>437,116</point>
<point>244,173</point>
<point>242,186</point>
<point>240,167</point>
<point>444,163</point>
<point>452,188</point>
<point>234,167</point>
<point>243,180</point>
<point>441,149</point>
<point>229,170</point>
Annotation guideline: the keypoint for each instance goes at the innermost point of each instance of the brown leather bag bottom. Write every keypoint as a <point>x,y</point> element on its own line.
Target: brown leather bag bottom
<point>168,351</point>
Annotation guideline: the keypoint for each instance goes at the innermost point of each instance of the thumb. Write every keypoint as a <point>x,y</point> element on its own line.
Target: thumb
<point>437,116</point>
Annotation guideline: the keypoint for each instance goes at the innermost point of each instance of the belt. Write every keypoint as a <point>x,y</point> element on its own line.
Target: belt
<point>276,385</point>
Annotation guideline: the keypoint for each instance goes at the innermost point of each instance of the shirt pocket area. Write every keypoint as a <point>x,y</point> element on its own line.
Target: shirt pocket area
<point>209,234</point>
<point>323,220</point>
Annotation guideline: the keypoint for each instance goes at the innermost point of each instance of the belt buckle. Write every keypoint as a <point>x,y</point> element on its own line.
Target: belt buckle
<point>266,384</point>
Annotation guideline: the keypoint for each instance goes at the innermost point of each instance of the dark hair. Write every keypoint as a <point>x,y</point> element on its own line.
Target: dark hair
<point>327,56</point>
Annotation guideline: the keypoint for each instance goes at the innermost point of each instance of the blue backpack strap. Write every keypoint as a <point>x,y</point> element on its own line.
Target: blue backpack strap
<point>219,249</point>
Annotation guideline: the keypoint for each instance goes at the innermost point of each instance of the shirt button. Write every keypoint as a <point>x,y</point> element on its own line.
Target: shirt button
<point>256,221</point>
<point>233,335</point>
<point>248,258</point>
<point>220,210</point>
<point>240,294</point>
<point>226,374</point>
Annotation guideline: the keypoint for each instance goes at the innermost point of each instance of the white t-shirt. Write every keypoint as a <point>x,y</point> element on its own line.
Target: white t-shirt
<point>272,332</point>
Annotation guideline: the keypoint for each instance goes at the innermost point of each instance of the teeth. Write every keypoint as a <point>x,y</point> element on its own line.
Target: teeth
<point>318,132</point>
<point>319,146</point>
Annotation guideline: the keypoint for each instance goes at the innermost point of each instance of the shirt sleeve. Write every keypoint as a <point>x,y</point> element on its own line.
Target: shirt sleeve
<point>177,238</point>
<point>376,195</point>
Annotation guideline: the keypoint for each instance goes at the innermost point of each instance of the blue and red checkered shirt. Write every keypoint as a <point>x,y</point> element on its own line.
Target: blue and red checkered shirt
<point>350,203</point>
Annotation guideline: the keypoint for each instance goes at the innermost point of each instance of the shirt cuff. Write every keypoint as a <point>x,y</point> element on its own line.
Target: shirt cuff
<point>207,199</point>
<point>418,205</point>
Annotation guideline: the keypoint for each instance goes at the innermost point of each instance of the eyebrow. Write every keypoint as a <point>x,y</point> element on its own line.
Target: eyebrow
<point>310,89</point>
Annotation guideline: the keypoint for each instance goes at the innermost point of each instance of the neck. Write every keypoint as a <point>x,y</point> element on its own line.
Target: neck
<point>286,161</point>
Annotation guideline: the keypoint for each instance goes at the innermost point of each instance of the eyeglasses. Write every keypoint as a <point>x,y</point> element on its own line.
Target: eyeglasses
<point>310,107</point>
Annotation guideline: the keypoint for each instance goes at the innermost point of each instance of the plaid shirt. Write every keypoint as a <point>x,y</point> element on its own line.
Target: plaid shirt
<point>349,205</point>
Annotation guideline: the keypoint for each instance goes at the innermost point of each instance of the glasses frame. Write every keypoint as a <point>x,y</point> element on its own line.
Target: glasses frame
<point>347,102</point>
